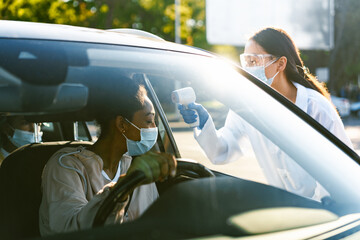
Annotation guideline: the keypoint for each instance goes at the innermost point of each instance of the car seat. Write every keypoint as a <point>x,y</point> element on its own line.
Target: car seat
<point>20,187</point>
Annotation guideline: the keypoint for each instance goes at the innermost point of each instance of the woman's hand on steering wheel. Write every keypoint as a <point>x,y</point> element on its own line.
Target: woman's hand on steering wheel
<point>146,168</point>
<point>155,166</point>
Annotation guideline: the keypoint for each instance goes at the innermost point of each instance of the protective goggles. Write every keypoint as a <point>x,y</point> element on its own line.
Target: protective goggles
<point>255,60</point>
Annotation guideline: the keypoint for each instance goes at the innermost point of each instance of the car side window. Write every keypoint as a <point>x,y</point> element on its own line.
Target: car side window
<point>51,131</point>
<point>94,130</point>
<point>186,144</point>
<point>83,132</point>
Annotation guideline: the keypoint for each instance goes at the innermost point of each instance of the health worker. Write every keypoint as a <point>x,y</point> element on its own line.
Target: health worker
<point>271,56</point>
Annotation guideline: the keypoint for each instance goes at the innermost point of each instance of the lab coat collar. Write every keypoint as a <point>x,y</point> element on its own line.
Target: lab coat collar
<point>301,97</point>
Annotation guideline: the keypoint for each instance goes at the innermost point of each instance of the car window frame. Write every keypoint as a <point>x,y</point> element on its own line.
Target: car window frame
<point>161,114</point>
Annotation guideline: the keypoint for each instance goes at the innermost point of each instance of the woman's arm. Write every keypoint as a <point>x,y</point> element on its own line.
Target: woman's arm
<point>69,202</point>
<point>70,190</point>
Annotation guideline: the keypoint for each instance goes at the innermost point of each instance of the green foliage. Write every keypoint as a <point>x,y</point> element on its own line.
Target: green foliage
<point>155,16</point>
<point>50,11</point>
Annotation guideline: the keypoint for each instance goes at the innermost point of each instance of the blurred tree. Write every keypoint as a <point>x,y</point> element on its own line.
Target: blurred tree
<point>344,61</point>
<point>155,16</point>
<point>74,12</point>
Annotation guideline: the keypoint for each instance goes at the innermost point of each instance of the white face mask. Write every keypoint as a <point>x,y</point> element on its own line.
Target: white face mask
<point>259,72</point>
<point>147,141</point>
<point>21,137</point>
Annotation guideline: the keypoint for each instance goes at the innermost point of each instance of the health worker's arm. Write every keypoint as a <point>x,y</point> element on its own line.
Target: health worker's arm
<point>224,145</point>
<point>326,115</point>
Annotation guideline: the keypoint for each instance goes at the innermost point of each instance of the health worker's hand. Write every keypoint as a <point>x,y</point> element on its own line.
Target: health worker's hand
<point>190,116</point>
<point>155,166</point>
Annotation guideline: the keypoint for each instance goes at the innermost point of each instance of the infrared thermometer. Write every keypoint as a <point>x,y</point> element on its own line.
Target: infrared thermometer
<point>185,96</point>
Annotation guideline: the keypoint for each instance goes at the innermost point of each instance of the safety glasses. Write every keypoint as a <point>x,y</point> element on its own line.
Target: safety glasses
<point>255,60</point>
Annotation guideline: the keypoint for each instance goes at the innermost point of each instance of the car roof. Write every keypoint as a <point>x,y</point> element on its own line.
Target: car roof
<point>58,32</point>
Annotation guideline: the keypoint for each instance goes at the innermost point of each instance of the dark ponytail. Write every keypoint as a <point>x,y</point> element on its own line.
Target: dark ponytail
<point>278,43</point>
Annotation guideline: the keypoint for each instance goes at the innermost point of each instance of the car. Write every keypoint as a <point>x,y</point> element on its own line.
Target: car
<point>342,105</point>
<point>64,77</point>
<point>355,108</point>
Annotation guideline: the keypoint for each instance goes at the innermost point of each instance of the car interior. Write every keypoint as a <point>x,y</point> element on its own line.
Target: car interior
<point>20,172</point>
<point>20,179</point>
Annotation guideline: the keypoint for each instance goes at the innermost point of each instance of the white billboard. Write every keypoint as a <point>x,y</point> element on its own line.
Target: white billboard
<point>309,22</point>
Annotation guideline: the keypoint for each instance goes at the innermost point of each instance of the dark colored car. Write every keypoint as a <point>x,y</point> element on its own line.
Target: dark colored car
<point>63,76</point>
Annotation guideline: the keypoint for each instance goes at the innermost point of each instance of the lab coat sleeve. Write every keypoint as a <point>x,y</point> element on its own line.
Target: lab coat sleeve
<point>332,122</point>
<point>224,145</point>
<point>337,128</point>
<point>65,206</point>
<point>298,181</point>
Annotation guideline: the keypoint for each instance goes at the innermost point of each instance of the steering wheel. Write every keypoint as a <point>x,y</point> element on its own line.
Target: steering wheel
<point>185,171</point>
<point>118,192</point>
<point>192,169</point>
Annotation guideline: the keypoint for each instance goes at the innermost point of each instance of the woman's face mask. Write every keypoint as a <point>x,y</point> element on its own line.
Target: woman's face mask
<point>147,141</point>
<point>259,72</point>
<point>21,137</point>
<point>256,65</point>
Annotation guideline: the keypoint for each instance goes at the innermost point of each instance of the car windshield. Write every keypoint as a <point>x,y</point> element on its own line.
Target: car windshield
<point>269,131</point>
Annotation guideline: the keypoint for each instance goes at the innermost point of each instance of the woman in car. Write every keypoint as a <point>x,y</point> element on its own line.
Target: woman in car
<point>271,56</point>
<point>75,181</point>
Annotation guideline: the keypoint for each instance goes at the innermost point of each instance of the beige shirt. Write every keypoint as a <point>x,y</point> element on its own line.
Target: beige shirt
<point>74,187</point>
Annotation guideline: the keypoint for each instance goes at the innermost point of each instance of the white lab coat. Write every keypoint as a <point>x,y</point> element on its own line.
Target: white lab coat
<point>225,145</point>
